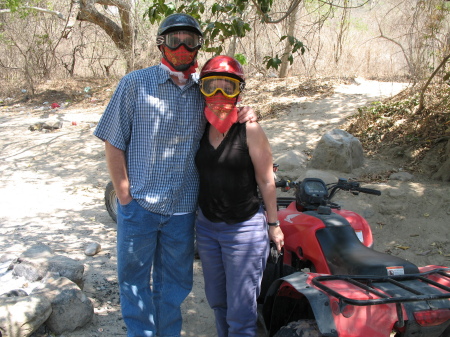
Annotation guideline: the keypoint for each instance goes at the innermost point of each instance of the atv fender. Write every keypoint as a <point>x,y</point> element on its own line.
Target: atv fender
<point>297,286</point>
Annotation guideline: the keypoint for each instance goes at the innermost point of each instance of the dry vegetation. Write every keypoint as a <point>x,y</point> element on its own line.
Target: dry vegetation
<point>260,91</point>
<point>72,91</point>
<point>395,128</point>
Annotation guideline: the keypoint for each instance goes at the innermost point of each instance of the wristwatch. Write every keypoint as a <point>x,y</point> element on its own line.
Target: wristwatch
<point>274,224</point>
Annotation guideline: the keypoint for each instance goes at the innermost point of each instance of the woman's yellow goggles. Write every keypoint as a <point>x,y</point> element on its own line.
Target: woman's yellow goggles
<point>229,86</point>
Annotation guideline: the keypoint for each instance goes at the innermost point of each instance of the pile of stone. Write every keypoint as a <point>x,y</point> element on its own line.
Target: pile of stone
<point>57,299</point>
<point>47,126</point>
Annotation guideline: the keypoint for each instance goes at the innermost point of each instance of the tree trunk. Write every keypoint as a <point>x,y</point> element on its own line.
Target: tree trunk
<point>341,34</point>
<point>232,48</point>
<point>122,36</point>
<point>291,30</point>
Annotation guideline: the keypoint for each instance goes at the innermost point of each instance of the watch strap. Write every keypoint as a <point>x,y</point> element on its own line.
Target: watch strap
<point>275,224</point>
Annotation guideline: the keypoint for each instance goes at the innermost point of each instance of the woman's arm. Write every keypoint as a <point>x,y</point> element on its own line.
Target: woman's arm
<point>115,159</point>
<point>261,156</point>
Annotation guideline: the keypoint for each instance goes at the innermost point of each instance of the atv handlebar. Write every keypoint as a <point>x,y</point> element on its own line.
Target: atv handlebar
<point>352,186</point>
<point>283,183</point>
<point>369,191</point>
<point>323,198</point>
<point>342,184</point>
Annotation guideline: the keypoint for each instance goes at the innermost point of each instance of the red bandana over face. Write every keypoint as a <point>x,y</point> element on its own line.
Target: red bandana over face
<point>180,59</point>
<point>221,111</point>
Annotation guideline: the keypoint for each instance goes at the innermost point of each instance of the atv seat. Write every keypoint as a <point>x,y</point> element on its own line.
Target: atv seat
<point>346,255</point>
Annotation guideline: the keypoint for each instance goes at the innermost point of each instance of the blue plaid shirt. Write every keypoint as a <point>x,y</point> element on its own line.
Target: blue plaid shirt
<point>159,126</point>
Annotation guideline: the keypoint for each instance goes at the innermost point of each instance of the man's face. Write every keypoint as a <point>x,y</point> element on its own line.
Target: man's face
<point>180,48</point>
<point>181,58</point>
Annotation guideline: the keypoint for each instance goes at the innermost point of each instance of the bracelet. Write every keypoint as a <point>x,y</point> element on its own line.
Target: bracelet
<point>274,224</point>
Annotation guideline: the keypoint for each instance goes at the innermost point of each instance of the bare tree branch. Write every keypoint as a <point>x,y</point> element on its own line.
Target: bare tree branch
<point>72,18</point>
<point>397,44</point>
<point>43,10</point>
<point>266,18</point>
<point>331,3</point>
<point>424,88</point>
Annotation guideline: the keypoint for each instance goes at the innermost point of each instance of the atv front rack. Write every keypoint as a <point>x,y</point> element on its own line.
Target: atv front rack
<point>396,289</point>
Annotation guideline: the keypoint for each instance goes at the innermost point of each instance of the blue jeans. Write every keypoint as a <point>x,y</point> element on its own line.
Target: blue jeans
<point>160,246</point>
<point>233,260</point>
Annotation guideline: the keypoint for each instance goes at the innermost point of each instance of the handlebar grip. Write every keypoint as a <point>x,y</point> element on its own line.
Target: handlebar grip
<point>281,183</point>
<point>368,191</point>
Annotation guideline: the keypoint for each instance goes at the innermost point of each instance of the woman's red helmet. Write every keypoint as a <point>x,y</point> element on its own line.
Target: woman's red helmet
<point>223,66</point>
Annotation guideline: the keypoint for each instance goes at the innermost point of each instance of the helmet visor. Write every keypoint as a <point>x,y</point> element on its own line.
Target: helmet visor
<point>230,87</point>
<point>175,39</point>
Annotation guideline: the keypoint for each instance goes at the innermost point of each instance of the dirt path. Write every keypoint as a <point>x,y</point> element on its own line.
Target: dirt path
<point>52,184</point>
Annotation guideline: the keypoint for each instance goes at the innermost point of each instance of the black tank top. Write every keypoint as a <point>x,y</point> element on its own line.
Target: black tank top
<point>228,188</point>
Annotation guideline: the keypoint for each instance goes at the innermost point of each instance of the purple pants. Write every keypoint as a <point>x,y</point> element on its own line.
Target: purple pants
<point>233,259</point>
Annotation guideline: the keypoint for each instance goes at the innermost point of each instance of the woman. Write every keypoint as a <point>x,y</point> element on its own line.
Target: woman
<point>234,161</point>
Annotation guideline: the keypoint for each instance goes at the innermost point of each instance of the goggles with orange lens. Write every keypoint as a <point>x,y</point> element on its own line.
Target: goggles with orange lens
<point>229,86</point>
<point>180,37</point>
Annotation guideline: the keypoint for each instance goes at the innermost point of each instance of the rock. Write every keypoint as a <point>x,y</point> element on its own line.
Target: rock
<point>36,262</point>
<point>392,208</point>
<point>50,125</point>
<point>35,127</point>
<point>291,160</point>
<point>395,193</point>
<point>7,258</point>
<point>21,316</point>
<point>92,249</point>
<point>56,302</point>
<point>71,308</point>
<point>339,151</point>
<point>402,176</point>
<point>37,251</point>
<point>15,293</point>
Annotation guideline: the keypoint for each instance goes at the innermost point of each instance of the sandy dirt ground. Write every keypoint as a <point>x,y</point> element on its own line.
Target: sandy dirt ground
<point>52,190</point>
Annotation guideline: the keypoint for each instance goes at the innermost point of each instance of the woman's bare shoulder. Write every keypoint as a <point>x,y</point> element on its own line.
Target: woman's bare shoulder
<point>255,132</point>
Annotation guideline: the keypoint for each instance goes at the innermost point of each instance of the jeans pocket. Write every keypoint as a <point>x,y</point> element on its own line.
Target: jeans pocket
<point>125,205</point>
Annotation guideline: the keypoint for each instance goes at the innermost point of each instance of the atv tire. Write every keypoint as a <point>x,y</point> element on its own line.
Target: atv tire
<point>301,328</point>
<point>111,201</point>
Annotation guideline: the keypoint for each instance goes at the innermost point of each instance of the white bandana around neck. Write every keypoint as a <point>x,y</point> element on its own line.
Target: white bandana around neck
<point>178,74</point>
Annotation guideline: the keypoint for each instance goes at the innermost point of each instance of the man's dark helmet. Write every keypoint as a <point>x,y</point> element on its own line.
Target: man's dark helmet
<point>179,21</point>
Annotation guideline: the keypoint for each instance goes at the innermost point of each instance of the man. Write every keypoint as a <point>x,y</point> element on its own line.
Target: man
<point>152,127</point>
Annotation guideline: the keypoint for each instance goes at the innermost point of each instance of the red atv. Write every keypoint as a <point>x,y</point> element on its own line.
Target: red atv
<point>330,282</point>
